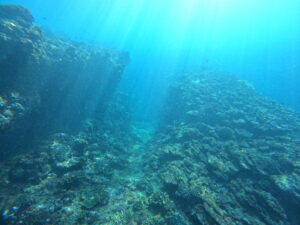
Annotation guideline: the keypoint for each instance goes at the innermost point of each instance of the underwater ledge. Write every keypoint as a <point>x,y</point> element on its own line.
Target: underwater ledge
<point>222,153</point>
<point>47,83</point>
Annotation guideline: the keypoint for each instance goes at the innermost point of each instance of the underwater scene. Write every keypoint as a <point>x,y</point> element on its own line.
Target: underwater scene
<point>138,112</point>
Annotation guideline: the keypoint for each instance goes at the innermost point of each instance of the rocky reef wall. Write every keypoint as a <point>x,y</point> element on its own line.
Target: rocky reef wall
<point>225,155</point>
<point>65,131</point>
<point>222,154</point>
<point>49,84</point>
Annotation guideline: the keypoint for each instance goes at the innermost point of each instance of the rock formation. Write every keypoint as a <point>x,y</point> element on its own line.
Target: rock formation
<point>47,83</point>
<point>222,153</point>
<point>226,155</point>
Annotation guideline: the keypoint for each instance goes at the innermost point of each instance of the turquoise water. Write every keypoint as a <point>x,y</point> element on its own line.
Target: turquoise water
<point>162,112</point>
<point>256,40</point>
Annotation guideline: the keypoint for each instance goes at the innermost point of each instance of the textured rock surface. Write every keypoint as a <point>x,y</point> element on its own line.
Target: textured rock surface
<point>223,154</point>
<point>49,86</point>
<point>68,180</point>
<point>227,155</point>
<point>47,83</point>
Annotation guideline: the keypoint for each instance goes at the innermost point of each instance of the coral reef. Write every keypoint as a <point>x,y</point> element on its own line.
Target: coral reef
<point>65,134</point>
<point>68,177</point>
<point>70,154</point>
<point>58,83</point>
<point>226,155</point>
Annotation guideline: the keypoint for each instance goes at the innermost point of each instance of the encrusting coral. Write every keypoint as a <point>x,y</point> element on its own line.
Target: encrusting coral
<point>70,154</point>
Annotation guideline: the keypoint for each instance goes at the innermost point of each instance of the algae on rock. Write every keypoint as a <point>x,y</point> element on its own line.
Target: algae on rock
<point>58,83</point>
<point>224,154</point>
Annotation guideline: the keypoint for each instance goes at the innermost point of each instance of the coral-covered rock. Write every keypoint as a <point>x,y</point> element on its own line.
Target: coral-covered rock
<point>59,83</point>
<point>226,155</point>
<point>15,12</point>
<point>223,154</point>
<point>55,184</point>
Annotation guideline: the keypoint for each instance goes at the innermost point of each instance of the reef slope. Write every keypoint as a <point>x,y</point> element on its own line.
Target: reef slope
<point>224,154</point>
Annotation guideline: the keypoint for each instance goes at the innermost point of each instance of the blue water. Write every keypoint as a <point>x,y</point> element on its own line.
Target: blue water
<point>207,151</point>
<point>256,40</point>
